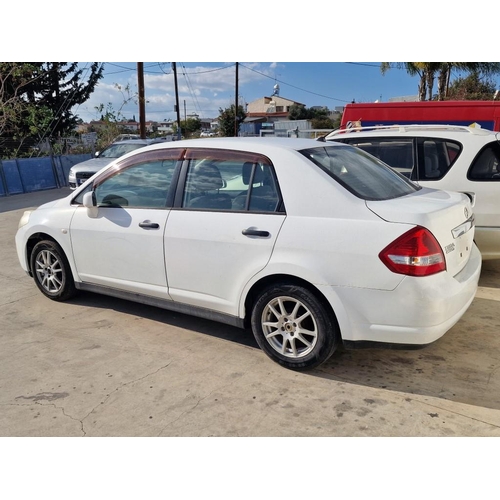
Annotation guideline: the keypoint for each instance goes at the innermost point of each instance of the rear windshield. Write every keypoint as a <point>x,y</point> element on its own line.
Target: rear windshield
<point>362,174</point>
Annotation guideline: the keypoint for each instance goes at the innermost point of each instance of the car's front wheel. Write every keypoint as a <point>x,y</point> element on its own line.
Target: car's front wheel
<point>51,271</point>
<point>293,327</point>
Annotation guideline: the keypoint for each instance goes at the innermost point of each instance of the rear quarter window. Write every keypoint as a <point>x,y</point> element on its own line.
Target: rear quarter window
<point>486,166</point>
<point>360,173</point>
<point>436,157</point>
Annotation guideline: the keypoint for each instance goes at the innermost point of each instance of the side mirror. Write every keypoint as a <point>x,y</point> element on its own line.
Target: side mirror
<point>97,154</point>
<point>90,203</point>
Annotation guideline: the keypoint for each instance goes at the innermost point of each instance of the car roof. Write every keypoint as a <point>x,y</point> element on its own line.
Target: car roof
<point>257,144</point>
<point>415,130</point>
<point>133,141</point>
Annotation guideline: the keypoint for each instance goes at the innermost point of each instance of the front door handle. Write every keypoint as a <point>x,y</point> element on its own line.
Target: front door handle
<point>255,232</point>
<point>147,224</point>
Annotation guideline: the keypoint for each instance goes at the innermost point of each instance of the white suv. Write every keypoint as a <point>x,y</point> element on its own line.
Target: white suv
<point>455,158</point>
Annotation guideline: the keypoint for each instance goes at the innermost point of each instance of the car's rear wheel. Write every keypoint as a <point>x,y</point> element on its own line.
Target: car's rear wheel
<point>51,271</point>
<point>293,327</point>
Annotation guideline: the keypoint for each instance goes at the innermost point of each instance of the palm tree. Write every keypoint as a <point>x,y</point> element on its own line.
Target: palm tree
<point>412,70</point>
<point>427,72</point>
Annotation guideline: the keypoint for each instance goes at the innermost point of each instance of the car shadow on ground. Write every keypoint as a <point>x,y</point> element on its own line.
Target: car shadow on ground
<point>463,366</point>
<point>179,320</point>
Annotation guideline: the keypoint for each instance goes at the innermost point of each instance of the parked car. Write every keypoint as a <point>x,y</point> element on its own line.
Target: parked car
<point>464,159</point>
<point>126,137</point>
<point>82,171</point>
<point>311,245</point>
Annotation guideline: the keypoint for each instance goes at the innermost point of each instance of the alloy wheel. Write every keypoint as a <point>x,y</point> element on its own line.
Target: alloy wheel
<point>49,271</point>
<point>289,327</point>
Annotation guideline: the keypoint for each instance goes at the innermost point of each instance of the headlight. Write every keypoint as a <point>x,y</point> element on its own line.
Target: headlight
<point>24,219</point>
<point>71,174</point>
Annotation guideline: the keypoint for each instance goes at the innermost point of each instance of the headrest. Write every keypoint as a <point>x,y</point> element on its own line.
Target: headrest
<point>247,172</point>
<point>206,177</point>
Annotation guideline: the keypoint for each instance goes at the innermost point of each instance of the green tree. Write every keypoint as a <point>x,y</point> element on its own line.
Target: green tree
<point>298,112</point>
<point>60,86</point>
<point>322,122</point>
<point>226,119</point>
<point>472,88</point>
<point>479,69</point>
<point>20,120</point>
<point>190,126</point>
<point>36,100</point>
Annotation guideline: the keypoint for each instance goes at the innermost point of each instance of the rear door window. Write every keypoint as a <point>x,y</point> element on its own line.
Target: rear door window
<point>229,181</point>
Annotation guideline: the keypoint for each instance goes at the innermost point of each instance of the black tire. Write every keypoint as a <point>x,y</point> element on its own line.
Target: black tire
<point>51,271</point>
<point>293,327</point>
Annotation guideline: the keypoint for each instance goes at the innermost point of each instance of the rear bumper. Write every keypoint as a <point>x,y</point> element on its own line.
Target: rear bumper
<point>417,312</point>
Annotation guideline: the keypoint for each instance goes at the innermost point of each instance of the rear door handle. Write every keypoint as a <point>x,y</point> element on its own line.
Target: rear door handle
<point>255,232</point>
<point>147,224</point>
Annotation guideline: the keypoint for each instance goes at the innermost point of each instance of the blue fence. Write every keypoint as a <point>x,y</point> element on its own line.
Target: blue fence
<point>25,175</point>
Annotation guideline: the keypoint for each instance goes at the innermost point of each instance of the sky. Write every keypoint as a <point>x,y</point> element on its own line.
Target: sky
<point>205,87</point>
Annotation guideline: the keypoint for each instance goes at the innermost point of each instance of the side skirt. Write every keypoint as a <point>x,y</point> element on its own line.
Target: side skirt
<point>170,305</point>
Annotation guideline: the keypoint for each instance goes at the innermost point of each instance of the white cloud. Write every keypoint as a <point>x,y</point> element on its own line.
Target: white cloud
<point>203,89</point>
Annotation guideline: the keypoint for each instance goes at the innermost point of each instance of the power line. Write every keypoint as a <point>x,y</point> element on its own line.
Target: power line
<point>186,75</point>
<point>294,86</point>
<point>193,95</point>
<point>370,65</point>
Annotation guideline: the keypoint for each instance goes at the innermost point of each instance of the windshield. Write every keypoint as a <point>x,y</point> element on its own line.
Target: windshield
<point>117,150</point>
<point>362,174</point>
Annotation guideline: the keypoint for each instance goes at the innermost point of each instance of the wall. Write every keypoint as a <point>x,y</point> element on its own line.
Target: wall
<point>25,175</point>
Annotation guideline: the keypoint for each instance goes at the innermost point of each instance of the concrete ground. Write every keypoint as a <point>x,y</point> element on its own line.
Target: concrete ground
<point>99,366</point>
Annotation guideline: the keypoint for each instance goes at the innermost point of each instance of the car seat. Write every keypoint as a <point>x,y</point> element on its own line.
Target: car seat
<point>431,162</point>
<point>205,181</point>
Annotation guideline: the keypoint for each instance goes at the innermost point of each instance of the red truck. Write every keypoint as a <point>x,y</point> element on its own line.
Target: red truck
<point>485,114</point>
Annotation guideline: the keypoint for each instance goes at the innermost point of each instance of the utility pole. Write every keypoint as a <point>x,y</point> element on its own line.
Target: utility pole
<point>174,68</point>
<point>236,105</point>
<point>142,101</point>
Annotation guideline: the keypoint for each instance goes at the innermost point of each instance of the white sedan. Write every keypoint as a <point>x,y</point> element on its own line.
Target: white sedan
<point>309,244</point>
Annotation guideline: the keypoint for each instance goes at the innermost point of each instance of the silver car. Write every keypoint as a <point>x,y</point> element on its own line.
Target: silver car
<point>80,172</point>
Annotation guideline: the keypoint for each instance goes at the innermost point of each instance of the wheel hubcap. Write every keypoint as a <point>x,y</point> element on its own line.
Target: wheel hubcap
<point>49,271</point>
<point>289,327</point>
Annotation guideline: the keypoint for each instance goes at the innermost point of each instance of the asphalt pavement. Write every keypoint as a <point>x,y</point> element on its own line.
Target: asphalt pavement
<point>99,366</point>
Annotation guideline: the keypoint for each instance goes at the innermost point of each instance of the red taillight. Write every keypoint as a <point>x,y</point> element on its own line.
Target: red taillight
<point>415,253</point>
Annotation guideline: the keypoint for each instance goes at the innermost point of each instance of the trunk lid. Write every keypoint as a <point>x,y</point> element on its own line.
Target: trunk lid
<point>447,215</point>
